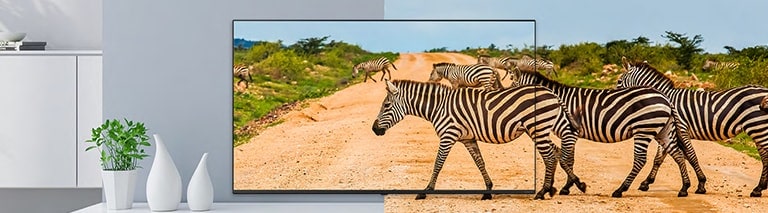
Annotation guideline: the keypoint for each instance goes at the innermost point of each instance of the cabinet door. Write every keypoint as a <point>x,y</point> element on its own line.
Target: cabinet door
<point>89,112</point>
<point>37,121</point>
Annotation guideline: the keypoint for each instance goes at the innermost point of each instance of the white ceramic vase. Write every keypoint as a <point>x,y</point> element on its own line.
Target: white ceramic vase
<point>164,181</point>
<point>118,188</point>
<point>200,188</point>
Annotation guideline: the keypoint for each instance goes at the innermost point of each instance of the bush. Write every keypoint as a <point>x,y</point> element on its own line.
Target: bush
<point>284,65</point>
<point>262,51</point>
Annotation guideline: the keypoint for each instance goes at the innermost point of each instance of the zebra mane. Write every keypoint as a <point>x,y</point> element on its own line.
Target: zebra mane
<point>444,64</point>
<point>642,66</point>
<point>412,82</point>
<point>545,78</point>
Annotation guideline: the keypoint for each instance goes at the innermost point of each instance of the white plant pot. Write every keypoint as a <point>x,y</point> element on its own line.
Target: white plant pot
<point>118,188</point>
<point>200,188</point>
<point>164,181</point>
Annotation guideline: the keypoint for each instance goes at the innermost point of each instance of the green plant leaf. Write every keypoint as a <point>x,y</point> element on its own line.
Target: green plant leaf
<point>121,142</point>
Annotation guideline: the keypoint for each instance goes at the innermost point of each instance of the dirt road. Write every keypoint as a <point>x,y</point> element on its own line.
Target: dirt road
<point>329,145</point>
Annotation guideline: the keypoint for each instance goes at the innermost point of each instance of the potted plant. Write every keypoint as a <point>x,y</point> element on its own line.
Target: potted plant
<point>120,145</point>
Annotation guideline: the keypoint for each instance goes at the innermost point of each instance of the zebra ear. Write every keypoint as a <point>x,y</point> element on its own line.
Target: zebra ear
<point>625,62</point>
<point>391,88</point>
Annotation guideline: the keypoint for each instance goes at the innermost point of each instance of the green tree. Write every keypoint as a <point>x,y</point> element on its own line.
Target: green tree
<point>687,47</point>
<point>309,46</point>
<point>641,40</point>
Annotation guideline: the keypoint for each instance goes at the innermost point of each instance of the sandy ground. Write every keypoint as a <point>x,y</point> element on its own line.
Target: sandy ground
<point>329,145</point>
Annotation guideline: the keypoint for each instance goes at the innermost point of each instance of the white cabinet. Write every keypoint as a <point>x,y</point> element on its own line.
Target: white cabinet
<point>48,103</point>
<point>89,113</point>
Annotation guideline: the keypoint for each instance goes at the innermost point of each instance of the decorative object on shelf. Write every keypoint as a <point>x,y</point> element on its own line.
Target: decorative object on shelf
<point>11,36</point>
<point>200,188</point>
<point>120,147</point>
<point>164,181</point>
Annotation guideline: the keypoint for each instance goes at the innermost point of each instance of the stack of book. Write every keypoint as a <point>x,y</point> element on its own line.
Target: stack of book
<point>22,45</point>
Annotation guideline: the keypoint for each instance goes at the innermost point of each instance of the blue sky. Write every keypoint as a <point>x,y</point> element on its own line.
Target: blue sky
<point>395,36</point>
<point>737,23</point>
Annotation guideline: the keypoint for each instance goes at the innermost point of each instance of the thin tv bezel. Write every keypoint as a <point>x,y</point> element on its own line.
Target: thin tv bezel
<point>372,191</point>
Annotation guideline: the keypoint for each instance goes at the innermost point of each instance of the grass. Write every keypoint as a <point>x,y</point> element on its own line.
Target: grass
<point>744,144</point>
<point>285,77</point>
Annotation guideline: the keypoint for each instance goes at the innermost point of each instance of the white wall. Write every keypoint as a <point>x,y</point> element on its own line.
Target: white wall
<point>182,91</point>
<point>64,24</point>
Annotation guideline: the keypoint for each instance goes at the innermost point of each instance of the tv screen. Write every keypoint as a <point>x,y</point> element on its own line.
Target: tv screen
<point>302,115</point>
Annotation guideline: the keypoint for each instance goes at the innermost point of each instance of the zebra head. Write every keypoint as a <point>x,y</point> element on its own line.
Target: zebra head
<point>355,70</point>
<point>392,110</point>
<point>642,74</point>
<point>624,79</point>
<point>437,72</point>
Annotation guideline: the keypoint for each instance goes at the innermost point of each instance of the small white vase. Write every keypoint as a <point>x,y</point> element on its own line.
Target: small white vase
<point>164,181</point>
<point>118,188</point>
<point>200,188</point>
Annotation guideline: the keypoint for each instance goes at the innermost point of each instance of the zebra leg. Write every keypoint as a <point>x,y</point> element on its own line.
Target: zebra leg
<point>383,72</point>
<point>680,160</point>
<point>368,75</point>
<point>566,162</point>
<point>548,152</point>
<point>445,147</point>
<point>760,137</point>
<point>389,73</point>
<point>474,151</point>
<point>640,152</point>
<point>763,184</point>
<point>657,161</point>
<point>690,155</point>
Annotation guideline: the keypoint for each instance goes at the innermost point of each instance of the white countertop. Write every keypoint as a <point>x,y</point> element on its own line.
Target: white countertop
<point>336,207</point>
<point>50,52</point>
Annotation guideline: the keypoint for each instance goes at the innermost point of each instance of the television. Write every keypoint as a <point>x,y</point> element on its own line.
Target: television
<point>302,121</point>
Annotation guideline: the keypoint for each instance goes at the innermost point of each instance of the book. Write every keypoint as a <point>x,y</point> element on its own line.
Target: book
<point>25,47</point>
<point>23,43</point>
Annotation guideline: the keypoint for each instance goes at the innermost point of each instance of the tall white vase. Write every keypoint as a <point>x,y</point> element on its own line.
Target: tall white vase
<point>164,181</point>
<point>200,189</point>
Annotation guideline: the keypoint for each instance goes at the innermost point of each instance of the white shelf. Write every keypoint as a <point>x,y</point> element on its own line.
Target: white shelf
<point>303,207</point>
<point>51,52</point>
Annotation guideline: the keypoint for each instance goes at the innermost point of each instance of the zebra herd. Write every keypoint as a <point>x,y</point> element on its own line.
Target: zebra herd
<point>645,106</point>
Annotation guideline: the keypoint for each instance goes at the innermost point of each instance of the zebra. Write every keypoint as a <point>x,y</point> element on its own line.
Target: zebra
<point>380,64</point>
<point>710,65</point>
<point>614,115</point>
<point>710,115</point>
<point>468,115</point>
<point>528,64</point>
<point>503,63</point>
<point>243,73</point>
<point>474,75</point>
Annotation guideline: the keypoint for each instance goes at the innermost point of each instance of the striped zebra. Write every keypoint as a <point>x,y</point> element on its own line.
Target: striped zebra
<point>610,116</point>
<point>468,115</point>
<point>243,73</point>
<point>710,65</point>
<point>528,64</point>
<point>380,64</point>
<point>710,115</point>
<point>503,63</point>
<point>474,75</point>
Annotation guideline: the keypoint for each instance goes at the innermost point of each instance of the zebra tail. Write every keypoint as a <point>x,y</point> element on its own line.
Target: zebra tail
<point>575,123</point>
<point>678,122</point>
